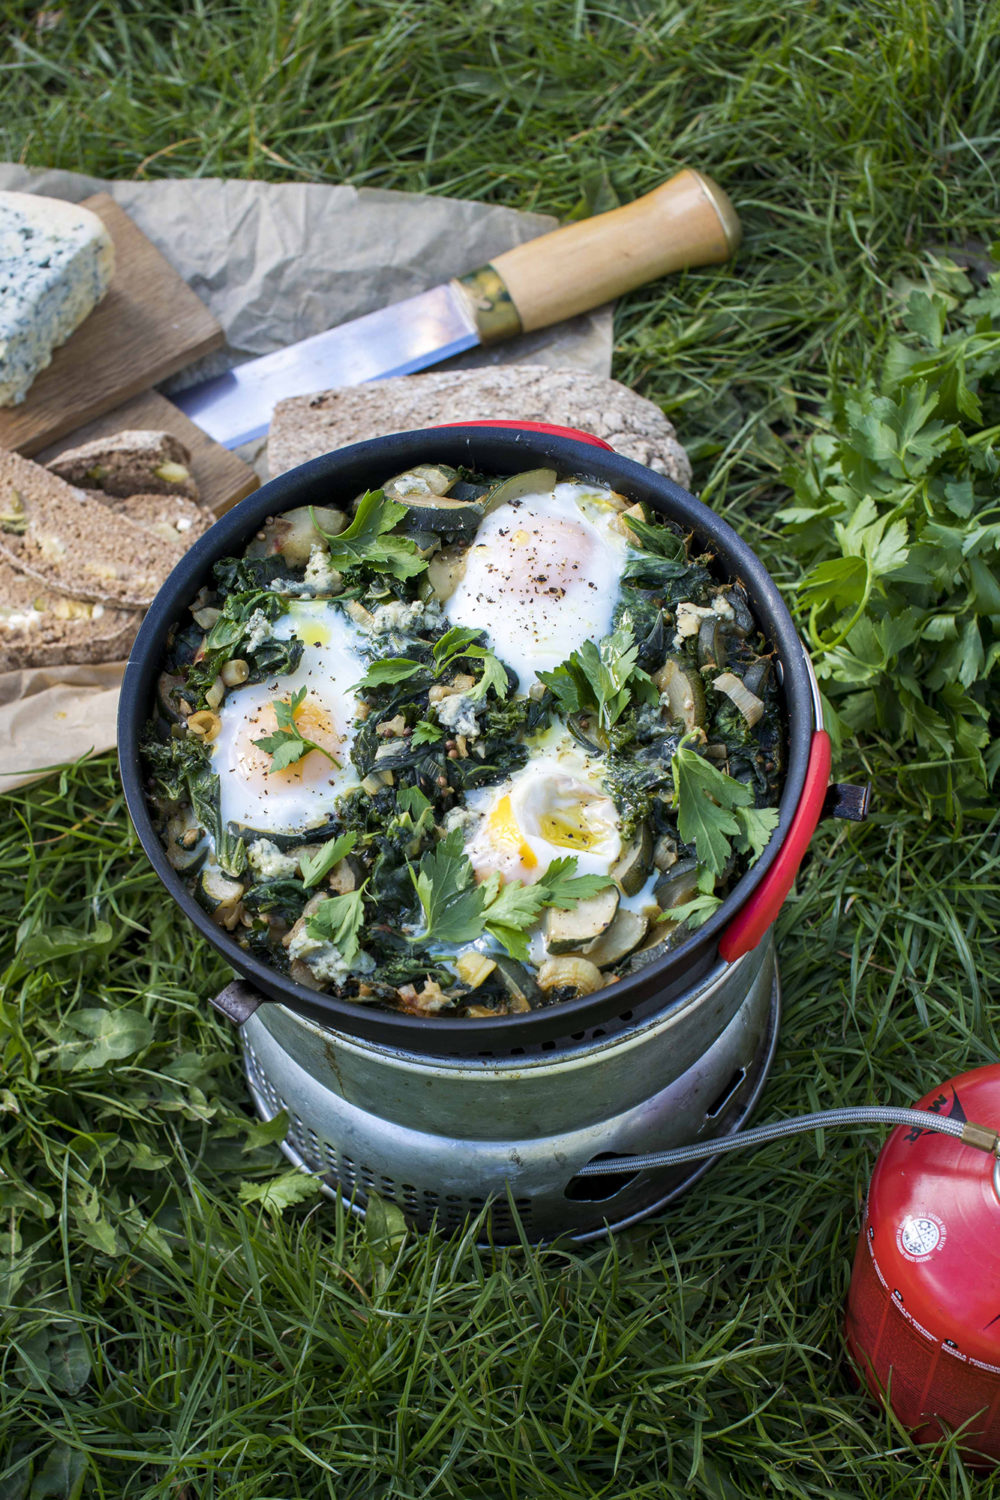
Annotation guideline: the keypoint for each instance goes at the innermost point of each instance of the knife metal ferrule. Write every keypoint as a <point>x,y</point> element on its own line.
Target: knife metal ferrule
<point>490,303</point>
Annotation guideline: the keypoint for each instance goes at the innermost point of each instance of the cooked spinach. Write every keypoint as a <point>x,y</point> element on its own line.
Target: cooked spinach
<point>380,901</point>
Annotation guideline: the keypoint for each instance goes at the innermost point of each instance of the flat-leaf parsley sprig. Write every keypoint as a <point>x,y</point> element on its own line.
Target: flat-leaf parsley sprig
<point>895,528</point>
<point>602,679</point>
<point>457,910</point>
<point>287,744</point>
<point>338,920</point>
<point>456,645</point>
<point>715,813</point>
<point>369,541</point>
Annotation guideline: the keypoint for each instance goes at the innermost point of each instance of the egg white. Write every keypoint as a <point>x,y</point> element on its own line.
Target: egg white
<point>301,796</point>
<point>542,576</point>
<point>554,807</point>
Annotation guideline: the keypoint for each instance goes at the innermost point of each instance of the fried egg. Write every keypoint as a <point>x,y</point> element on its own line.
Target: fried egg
<point>554,807</point>
<point>300,796</point>
<point>542,576</point>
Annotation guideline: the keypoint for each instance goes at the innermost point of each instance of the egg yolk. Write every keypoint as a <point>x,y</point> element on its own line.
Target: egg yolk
<point>314,722</point>
<point>569,828</point>
<point>507,835</point>
<point>545,561</point>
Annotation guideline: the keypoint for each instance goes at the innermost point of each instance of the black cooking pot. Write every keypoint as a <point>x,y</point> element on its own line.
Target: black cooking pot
<point>746,913</point>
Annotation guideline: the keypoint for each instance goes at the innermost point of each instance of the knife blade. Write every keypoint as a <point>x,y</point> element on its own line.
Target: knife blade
<point>687,221</point>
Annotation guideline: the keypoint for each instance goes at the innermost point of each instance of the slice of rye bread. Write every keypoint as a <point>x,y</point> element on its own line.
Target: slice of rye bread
<point>137,461</point>
<point>40,627</point>
<point>305,426</point>
<point>176,518</point>
<point>74,543</point>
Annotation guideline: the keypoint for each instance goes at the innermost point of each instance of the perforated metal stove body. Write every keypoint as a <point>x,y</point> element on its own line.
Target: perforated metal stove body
<point>444,1136</point>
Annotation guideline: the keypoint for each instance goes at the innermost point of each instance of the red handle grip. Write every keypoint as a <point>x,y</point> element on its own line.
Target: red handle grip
<point>568,432</point>
<point>752,921</point>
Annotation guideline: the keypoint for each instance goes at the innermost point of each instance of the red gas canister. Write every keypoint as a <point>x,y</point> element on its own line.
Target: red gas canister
<point>923,1311</point>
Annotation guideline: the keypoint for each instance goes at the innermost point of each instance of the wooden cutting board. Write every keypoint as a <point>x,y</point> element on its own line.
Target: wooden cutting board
<point>221,476</point>
<point>149,325</point>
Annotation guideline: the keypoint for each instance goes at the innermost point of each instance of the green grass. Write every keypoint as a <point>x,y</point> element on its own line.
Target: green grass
<point>164,1337</point>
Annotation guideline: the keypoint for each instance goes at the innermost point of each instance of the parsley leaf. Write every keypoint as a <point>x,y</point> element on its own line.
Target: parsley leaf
<point>713,808</point>
<point>454,646</point>
<point>314,866</point>
<point>368,541</point>
<point>457,910</point>
<point>660,540</point>
<point>426,733</point>
<point>392,669</point>
<point>603,678</point>
<point>756,827</point>
<point>338,920</point>
<point>897,552</point>
<point>513,907</point>
<point>287,744</point>
<point>451,901</point>
<point>697,909</point>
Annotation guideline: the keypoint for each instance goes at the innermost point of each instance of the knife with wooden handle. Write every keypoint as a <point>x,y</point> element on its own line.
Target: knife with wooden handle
<point>687,221</point>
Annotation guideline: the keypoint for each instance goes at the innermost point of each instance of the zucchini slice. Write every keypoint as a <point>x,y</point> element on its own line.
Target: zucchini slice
<point>187,845</point>
<point>424,492</point>
<point>684,693</point>
<point>174,699</point>
<point>655,946</point>
<point>531,482</point>
<point>578,930</point>
<point>635,863</point>
<point>678,884</point>
<point>422,482</point>
<point>219,895</point>
<point>446,570</point>
<point>516,980</point>
<point>625,933</point>
<point>295,533</point>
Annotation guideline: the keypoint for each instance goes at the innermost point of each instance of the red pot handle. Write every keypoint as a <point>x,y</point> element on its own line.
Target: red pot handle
<point>567,432</point>
<point>752,921</point>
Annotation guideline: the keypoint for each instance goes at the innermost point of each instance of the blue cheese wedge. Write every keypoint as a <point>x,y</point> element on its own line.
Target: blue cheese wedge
<point>56,263</point>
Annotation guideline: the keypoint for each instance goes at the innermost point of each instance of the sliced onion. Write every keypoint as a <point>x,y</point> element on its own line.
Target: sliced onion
<point>739,694</point>
<point>574,973</point>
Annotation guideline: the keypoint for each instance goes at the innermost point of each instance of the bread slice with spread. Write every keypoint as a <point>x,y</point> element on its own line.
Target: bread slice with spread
<point>139,461</point>
<point>70,541</point>
<point>40,627</point>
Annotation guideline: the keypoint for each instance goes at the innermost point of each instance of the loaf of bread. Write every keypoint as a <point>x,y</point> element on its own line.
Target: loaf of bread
<point>306,426</point>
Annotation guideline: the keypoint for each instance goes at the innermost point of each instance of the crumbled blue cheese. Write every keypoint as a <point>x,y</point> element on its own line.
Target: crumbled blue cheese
<point>56,263</point>
<point>320,575</point>
<point>269,862</point>
<point>689,617</point>
<point>257,632</point>
<point>461,817</point>
<point>401,616</point>
<point>458,713</point>
<point>325,959</point>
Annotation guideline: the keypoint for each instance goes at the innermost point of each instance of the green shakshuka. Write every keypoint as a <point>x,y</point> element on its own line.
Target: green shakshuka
<point>465,745</point>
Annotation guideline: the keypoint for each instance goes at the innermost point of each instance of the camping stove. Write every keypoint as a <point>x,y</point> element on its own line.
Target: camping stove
<point>444,1137</point>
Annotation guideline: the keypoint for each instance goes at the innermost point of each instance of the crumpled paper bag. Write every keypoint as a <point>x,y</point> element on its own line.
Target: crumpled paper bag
<point>275,262</point>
